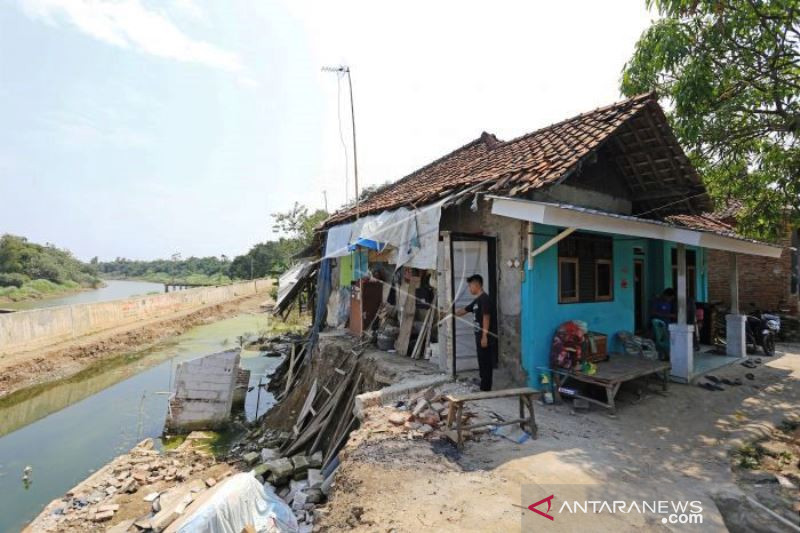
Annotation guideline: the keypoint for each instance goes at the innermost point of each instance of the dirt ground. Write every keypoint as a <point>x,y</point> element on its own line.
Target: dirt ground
<point>23,369</point>
<point>681,444</point>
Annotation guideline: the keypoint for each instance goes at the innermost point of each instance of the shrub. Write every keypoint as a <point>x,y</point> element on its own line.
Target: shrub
<point>12,279</point>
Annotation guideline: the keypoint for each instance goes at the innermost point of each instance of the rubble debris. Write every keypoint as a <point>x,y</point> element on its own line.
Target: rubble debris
<point>95,503</point>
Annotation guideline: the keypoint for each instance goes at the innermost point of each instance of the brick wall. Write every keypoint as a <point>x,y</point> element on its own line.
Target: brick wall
<point>764,281</point>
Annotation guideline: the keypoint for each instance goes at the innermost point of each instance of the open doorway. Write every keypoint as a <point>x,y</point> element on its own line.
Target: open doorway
<point>470,255</point>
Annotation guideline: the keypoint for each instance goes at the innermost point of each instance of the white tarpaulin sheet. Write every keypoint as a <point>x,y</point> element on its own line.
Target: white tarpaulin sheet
<point>235,503</point>
<point>338,240</point>
<point>413,233</point>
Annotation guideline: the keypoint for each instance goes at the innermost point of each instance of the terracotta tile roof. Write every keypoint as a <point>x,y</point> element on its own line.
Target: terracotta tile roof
<point>704,222</point>
<point>424,185</point>
<point>537,159</point>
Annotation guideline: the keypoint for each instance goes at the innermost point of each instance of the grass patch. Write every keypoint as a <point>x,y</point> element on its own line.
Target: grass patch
<point>749,457</point>
<point>295,322</point>
<point>37,289</point>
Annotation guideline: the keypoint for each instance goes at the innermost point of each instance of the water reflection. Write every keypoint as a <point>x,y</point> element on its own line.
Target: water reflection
<point>67,429</point>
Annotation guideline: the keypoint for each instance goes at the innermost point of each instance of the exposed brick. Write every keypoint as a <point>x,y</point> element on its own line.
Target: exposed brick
<point>763,281</point>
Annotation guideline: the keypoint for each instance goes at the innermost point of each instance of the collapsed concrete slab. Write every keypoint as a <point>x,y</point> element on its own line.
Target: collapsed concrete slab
<point>203,392</point>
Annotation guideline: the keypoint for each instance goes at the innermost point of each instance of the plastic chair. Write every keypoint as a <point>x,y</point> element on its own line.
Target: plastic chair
<point>661,337</point>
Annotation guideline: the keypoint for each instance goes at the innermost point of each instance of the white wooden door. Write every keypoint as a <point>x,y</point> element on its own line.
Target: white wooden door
<point>469,257</point>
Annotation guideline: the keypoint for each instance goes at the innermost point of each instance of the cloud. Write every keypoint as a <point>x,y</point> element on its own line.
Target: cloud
<point>129,24</point>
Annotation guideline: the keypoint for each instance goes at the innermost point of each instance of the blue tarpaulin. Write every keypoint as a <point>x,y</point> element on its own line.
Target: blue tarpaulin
<point>367,243</point>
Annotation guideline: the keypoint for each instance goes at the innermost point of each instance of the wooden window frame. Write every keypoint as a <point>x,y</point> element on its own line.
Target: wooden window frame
<point>577,297</point>
<point>597,296</point>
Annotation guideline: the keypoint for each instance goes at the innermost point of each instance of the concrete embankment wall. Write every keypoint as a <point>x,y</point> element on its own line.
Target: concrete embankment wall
<point>40,327</point>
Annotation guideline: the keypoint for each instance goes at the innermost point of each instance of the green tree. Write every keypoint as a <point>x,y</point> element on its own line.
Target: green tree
<point>730,71</point>
<point>298,223</point>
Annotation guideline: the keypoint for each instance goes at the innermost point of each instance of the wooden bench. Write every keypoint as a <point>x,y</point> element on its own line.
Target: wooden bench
<point>611,375</point>
<point>456,411</point>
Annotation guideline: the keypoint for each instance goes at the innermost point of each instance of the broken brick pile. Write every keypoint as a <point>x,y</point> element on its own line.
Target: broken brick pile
<point>424,415</point>
<point>160,478</point>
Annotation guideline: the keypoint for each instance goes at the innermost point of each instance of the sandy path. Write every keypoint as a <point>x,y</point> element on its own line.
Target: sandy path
<point>22,369</point>
<point>676,445</point>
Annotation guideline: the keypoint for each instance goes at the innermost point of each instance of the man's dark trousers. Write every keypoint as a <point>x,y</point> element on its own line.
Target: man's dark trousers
<point>486,359</point>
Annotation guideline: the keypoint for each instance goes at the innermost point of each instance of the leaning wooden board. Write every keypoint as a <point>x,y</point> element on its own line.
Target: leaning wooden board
<point>407,317</point>
<point>612,374</point>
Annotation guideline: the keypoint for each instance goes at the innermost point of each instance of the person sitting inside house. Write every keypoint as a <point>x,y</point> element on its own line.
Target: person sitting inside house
<point>485,316</point>
<point>664,306</point>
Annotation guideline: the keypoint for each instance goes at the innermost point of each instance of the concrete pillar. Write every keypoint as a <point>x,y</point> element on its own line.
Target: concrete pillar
<point>735,336</point>
<point>681,350</point>
<point>681,288</point>
<point>733,271</point>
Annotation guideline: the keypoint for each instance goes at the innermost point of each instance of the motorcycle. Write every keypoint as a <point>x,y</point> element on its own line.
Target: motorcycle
<point>761,329</point>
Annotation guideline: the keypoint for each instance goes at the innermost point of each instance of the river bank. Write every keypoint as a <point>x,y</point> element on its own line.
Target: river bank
<point>37,364</point>
<point>70,428</point>
<point>40,290</point>
<point>107,291</point>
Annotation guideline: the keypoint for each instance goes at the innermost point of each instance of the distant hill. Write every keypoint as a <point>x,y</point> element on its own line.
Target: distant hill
<point>29,270</point>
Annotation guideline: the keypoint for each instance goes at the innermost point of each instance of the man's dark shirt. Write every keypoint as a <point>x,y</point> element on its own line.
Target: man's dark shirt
<point>480,306</point>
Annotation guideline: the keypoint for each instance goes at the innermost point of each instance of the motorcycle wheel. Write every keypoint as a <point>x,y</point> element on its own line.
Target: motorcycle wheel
<point>769,345</point>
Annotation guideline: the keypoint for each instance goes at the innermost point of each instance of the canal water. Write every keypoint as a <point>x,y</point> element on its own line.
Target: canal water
<point>68,429</point>
<point>114,290</point>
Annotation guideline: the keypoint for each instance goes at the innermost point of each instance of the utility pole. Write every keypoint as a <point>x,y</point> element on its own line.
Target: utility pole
<point>325,196</point>
<point>341,70</point>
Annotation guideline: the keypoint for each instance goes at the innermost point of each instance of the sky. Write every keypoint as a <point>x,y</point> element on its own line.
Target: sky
<point>139,129</point>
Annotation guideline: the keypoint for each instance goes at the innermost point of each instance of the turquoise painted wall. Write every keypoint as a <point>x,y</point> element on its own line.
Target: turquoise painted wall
<point>542,314</point>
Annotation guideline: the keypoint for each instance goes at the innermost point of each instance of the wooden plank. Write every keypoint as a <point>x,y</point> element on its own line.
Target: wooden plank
<point>312,394</point>
<point>341,429</point>
<point>291,371</point>
<point>618,369</point>
<point>336,402</point>
<point>407,319</point>
<point>423,333</point>
<point>486,395</point>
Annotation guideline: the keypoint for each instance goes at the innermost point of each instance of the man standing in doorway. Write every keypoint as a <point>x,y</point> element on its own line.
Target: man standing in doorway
<point>482,309</point>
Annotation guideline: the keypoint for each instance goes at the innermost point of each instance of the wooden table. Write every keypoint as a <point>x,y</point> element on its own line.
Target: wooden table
<point>525,395</point>
<point>612,374</point>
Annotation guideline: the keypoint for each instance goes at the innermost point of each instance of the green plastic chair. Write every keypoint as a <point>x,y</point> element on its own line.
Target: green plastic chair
<point>661,337</point>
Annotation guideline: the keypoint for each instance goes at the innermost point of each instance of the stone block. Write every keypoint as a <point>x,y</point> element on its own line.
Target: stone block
<point>251,457</point>
<point>315,478</point>
<point>301,465</point>
<point>299,501</point>
<point>102,516</point>
<point>280,470</point>
<point>315,496</point>
<point>268,454</point>
<point>315,460</point>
